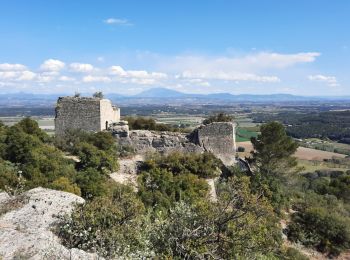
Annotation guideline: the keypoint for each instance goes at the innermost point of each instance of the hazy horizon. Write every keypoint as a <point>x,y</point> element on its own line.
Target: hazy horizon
<point>70,93</point>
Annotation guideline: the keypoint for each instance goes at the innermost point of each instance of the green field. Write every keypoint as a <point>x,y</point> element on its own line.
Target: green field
<point>45,123</point>
<point>244,134</point>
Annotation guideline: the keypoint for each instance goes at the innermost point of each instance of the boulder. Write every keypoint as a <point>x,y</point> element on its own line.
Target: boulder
<point>26,223</point>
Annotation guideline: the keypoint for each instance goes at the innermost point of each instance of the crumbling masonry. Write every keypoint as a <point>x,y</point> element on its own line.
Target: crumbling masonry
<point>89,114</point>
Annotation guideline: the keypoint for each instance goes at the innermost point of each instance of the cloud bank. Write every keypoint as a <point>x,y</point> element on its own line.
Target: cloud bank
<point>199,73</point>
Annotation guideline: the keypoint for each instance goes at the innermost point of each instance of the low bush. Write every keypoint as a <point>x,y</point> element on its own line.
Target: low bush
<point>322,229</point>
<point>110,226</point>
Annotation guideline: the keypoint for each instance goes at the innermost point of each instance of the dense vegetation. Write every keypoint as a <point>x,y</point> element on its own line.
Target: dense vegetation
<point>334,125</point>
<point>321,222</point>
<point>147,123</point>
<point>220,117</point>
<point>172,215</point>
<point>320,200</point>
<point>30,158</point>
<point>175,217</point>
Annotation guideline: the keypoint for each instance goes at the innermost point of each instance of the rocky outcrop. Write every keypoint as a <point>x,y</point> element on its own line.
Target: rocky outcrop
<point>26,221</point>
<point>217,138</point>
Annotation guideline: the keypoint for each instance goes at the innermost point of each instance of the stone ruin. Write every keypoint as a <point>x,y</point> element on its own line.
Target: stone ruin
<point>217,138</point>
<point>94,114</point>
<point>89,114</point>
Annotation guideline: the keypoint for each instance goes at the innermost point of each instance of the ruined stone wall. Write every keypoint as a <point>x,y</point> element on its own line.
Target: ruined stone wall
<point>217,138</point>
<point>108,113</point>
<point>164,142</point>
<point>88,114</point>
<point>77,113</point>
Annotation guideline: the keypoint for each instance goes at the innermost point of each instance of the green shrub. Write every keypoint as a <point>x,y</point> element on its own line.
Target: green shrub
<point>317,227</point>
<point>110,226</point>
<point>160,188</point>
<point>146,123</point>
<point>204,165</point>
<point>221,117</point>
<point>292,254</point>
<point>91,182</point>
<point>240,149</point>
<point>238,226</point>
<point>63,183</point>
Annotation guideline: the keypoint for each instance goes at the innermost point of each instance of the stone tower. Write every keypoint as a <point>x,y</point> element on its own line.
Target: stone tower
<point>89,114</point>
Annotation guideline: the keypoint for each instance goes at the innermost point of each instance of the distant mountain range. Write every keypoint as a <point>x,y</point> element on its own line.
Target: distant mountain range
<point>164,96</point>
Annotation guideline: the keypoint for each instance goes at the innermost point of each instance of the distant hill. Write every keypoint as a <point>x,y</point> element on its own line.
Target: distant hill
<point>161,96</point>
<point>159,93</point>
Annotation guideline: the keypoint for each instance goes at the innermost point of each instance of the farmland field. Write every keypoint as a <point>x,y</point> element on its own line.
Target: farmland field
<point>302,152</point>
<point>325,145</point>
<point>171,119</point>
<point>309,159</point>
<point>244,134</point>
<point>45,123</point>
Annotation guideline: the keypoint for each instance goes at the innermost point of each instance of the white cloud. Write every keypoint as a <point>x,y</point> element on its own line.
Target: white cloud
<point>136,76</point>
<point>229,76</point>
<point>253,67</point>
<point>199,82</point>
<point>42,78</point>
<point>142,74</point>
<point>276,60</point>
<point>91,78</point>
<point>143,81</point>
<point>12,67</point>
<point>50,73</point>
<point>81,67</point>
<point>191,73</point>
<point>8,75</point>
<point>117,21</point>
<point>66,78</point>
<point>17,75</point>
<point>26,75</point>
<point>330,80</point>
<point>118,71</point>
<point>52,65</point>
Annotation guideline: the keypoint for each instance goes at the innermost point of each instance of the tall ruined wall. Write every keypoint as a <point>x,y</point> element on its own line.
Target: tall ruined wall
<point>77,113</point>
<point>219,139</point>
<point>108,113</point>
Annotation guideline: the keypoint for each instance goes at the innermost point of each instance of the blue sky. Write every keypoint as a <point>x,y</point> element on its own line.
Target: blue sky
<point>199,46</point>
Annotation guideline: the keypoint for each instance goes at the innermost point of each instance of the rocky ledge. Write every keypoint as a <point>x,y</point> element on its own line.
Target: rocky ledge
<point>26,221</point>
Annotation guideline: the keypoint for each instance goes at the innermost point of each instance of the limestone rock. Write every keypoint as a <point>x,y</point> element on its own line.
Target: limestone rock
<point>25,230</point>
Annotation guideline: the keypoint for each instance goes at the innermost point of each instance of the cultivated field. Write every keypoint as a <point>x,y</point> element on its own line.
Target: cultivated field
<point>302,152</point>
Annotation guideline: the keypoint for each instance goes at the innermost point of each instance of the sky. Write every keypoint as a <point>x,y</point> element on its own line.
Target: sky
<point>194,46</point>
